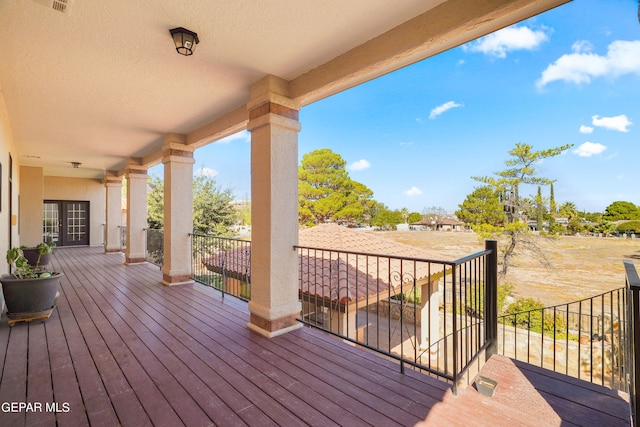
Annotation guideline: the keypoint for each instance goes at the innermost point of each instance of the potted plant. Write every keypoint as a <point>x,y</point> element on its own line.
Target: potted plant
<point>30,292</point>
<point>38,255</point>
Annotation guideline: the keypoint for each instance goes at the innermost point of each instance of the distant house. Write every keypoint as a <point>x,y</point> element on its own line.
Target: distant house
<point>449,224</point>
<point>424,224</point>
<point>439,224</point>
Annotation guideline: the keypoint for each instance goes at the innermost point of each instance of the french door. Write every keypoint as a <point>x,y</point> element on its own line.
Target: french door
<point>66,222</point>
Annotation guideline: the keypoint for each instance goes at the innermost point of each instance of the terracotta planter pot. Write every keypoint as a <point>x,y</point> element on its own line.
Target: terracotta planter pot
<point>31,254</point>
<point>29,297</point>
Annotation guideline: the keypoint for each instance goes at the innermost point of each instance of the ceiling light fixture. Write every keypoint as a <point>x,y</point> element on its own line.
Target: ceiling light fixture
<point>184,40</point>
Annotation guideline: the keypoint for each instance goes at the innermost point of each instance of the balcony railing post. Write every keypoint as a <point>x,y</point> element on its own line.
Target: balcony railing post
<point>491,297</point>
<point>633,334</point>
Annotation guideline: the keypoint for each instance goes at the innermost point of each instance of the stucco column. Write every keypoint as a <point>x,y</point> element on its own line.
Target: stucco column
<point>274,126</point>
<point>113,186</point>
<point>136,214</point>
<point>430,316</point>
<point>178,210</point>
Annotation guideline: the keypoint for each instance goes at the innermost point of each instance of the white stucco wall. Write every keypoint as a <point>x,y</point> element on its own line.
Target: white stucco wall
<point>80,189</point>
<point>31,196</point>
<point>7,148</point>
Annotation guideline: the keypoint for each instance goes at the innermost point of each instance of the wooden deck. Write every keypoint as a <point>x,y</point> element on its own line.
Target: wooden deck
<point>120,349</point>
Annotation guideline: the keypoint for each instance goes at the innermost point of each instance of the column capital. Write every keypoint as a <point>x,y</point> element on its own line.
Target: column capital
<point>177,141</point>
<point>271,90</point>
<point>111,180</point>
<point>175,149</point>
<point>136,172</point>
<point>134,168</point>
<point>270,104</point>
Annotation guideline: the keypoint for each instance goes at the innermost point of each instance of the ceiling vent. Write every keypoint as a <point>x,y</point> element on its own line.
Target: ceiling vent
<point>61,6</point>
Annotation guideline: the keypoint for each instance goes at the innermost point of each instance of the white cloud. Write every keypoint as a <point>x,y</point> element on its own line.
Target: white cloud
<point>586,129</point>
<point>208,172</point>
<point>413,191</point>
<point>507,40</point>
<point>619,123</point>
<point>589,149</point>
<point>582,46</point>
<point>245,136</point>
<point>442,108</point>
<point>359,165</point>
<point>623,57</point>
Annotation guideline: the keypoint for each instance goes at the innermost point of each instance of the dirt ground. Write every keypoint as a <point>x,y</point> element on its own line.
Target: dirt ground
<point>581,267</point>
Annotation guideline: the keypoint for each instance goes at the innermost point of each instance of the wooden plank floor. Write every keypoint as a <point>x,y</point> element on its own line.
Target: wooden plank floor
<point>120,349</point>
<point>528,395</point>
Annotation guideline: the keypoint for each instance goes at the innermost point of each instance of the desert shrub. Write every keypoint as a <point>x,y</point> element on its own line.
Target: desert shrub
<point>475,299</point>
<point>504,290</point>
<point>556,229</point>
<point>528,313</point>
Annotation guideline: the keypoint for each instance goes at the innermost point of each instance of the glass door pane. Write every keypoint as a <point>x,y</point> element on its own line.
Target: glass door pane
<point>51,222</point>
<point>76,216</point>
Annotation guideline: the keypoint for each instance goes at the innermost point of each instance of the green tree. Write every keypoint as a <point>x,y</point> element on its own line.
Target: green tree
<point>155,203</point>
<point>575,226</point>
<point>327,193</point>
<point>520,169</point>
<point>629,227</point>
<point>483,206</point>
<point>592,216</point>
<point>213,210</point>
<point>386,218</point>
<point>539,209</point>
<point>621,210</point>
<point>414,217</point>
<point>568,210</point>
<point>358,202</point>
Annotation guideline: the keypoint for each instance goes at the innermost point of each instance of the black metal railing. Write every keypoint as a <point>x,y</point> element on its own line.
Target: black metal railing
<point>583,339</point>
<point>632,337</point>
<point>222,263</point>
<point>154,250</point>
<point>431,315</point>
<point>428,314</point>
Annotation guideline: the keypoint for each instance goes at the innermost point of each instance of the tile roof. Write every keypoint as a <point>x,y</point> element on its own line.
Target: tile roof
<point>449,221</point>
<point>341,264</point>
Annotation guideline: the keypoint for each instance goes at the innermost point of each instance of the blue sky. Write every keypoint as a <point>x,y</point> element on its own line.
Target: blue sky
<point>416,136</point>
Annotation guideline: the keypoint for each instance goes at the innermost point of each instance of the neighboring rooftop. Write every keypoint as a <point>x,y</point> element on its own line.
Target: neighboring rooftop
<point>338,267</point>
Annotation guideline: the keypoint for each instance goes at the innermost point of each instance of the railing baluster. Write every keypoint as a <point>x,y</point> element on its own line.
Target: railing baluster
<point>633,338</point>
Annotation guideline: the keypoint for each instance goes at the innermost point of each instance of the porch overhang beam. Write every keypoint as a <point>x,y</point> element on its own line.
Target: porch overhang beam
<point>446,26</point>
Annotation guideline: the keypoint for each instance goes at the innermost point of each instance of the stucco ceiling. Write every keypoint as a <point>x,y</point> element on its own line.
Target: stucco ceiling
<point>103,83</point>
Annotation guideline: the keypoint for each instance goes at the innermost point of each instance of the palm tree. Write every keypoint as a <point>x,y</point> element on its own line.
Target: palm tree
<point>568,210</point>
